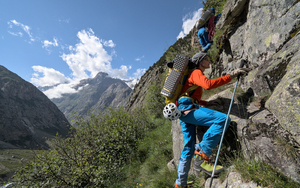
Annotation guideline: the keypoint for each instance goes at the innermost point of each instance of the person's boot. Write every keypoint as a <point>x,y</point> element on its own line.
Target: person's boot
<point>201,162</point>
<point>178,186</point>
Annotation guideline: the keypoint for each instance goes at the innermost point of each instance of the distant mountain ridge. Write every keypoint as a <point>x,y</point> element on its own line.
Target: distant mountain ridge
<point>96,93</point>
<point>27,116</point>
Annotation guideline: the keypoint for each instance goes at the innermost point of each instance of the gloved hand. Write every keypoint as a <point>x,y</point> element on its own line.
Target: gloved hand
<point>239,71</point>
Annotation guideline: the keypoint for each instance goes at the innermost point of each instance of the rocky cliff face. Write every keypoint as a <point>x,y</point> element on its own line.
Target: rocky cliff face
<point>266,35</point>
<point>266,118</point>
<point>154,75</point>
<point>96,93</point>
<point>27,116</point>
<point>137,97</point>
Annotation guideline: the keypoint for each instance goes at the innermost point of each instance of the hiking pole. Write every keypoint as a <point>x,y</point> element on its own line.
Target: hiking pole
<point>236,83</point>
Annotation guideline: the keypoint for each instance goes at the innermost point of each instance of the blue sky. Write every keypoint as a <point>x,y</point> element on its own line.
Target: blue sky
<point>59,42</point>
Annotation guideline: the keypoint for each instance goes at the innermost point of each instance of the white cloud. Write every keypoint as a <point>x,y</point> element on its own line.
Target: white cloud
<point>44,76</point>
<point>80,88</point>
<point>86,59</point>
<point>189,21</point>
<point>181,35</point>
<point>109,43</point>
<point>64,20</point>
<point>22,26</point>
<point>18,34</point>
<point>139,73</point>
<point>139,58</point>
<point>136,77</point>
<point>121,73</point>
<point>10,25</point>
<point>59,90</point>
<point>48,43</point>
<point>132,83</point>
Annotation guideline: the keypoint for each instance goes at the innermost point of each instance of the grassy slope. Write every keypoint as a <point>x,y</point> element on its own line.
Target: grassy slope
<point>13,159</point>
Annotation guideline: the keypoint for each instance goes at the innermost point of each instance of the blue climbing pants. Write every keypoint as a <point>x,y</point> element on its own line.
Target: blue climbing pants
<point>204,117</point>
<point>203,39</point>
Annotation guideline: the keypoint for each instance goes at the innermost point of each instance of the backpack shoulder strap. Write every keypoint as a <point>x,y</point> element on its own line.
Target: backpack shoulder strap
<point>189,92</point>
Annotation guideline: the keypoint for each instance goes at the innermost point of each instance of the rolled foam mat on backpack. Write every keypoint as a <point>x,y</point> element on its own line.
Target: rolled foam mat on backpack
<point>171,83</point>
<point>180,64</point>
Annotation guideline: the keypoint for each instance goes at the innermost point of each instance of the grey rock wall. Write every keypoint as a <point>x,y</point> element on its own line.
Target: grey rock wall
<point>265,34</point>
<point>268,38</point>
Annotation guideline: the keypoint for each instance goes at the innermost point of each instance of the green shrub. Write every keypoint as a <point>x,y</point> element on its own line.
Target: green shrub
<point>149,166</point>
<point>93,156</point>
<point>217,4</point>
<point>155,101</point>
<point>171,54</point>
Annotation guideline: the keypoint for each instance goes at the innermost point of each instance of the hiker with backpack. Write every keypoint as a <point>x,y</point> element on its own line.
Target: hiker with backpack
<point>206,30</point>
<point>194,114</point>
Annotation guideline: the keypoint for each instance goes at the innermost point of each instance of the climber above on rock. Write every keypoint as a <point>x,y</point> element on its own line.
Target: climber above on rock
<point>194,114</point>
<point>206,28</point>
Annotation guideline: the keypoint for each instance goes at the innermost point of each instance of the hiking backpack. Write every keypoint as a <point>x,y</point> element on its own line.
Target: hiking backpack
<point>179,70</point>
<point>204,18</point>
